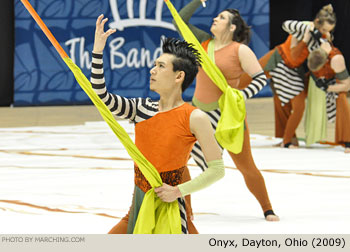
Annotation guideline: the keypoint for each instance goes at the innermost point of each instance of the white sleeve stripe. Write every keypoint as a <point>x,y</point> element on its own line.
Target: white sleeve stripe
<point>97,70</point>
<point>255,87</point>
<point>124,107</point>
<point>106,98</point>
<point>247,93</point>
<point>97,61</point>
<point>251,90</point>
<point>97,81</point>
<point>261,81</point>
<point>114,106</point>
<point>100,91</point>
<point>143,109</point>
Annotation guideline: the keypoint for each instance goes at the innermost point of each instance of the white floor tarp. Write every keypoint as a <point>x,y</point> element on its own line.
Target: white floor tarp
<point>79,179</point>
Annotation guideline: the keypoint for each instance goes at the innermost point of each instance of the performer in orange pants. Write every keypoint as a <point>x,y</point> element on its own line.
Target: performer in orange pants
<point>286,121</point>
<point>289,114</point>
<point>233,57</point>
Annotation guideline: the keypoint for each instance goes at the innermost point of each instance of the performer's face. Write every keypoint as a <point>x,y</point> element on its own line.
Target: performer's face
<point>325,27</point>
<point>222,24</point>
<point>162,75</point>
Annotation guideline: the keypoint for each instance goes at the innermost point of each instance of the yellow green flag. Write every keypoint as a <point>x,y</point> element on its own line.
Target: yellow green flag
<point>316,114</point>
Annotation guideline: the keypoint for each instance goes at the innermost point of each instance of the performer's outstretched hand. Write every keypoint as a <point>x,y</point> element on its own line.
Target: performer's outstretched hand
<point>100,35</point>
<point>168,193</point>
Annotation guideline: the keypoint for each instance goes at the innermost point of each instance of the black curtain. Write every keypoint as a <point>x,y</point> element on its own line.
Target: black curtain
<point>6,52</point>
<point>307,10</point>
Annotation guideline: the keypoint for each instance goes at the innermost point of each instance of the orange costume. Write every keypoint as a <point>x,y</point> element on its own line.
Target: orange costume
<point>288,117</point>
<point>207,93</point>
<point>164,138</point>
<point>284,66</point>
<point>342,130</point>
<point>206,97</point>
<point>288,114</point>
<point>168,153</point>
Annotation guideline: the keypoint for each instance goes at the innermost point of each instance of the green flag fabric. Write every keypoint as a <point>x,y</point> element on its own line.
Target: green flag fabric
<point>316,115</point>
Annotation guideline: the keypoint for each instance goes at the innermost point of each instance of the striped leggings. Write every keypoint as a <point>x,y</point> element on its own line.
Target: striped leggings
<point>243,161</point>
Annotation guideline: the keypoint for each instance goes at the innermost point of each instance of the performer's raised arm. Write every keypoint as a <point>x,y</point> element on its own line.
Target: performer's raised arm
<point>295,28</point>
<point>118,105</point>
<point>186,14</point>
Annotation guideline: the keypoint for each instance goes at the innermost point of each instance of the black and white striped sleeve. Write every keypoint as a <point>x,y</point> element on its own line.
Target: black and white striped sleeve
<point>118,105</point>
<point>298,29</point>
<point>295,28</point>
<point>255,86</point>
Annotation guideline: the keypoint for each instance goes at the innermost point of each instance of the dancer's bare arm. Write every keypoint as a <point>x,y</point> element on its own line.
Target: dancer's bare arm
<point>252,67</point>
<point>338,65</point>
<point>249,62</point>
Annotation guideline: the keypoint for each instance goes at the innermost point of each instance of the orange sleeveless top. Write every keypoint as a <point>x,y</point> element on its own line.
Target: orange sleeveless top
<point>227,60</point>
<point>166,141</point>
<point>326,71</point>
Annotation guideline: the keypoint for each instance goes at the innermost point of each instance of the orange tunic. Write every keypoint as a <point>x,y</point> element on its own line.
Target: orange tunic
<point>293,57</point>
<point>166,141</point>
<point>227,60</point>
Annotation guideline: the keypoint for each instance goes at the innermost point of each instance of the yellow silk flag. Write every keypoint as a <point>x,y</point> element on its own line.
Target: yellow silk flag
<point>316,114</point>
<point>155,216</point>
<point>230,130</point>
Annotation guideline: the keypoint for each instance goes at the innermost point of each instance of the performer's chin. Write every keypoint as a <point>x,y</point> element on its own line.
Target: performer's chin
<point>151,87</point>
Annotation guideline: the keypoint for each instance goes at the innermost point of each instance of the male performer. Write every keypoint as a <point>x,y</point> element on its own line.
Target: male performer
<point>165,130</point>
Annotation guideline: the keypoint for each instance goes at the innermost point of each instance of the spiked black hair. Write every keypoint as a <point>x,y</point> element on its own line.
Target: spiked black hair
<point>187,59</point>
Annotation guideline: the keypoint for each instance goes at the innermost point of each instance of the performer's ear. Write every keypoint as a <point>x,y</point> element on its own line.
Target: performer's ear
<point>232,28</point>
<point>180,76</point>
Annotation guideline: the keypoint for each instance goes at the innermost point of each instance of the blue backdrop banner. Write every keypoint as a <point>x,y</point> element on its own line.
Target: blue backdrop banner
<point>42,78</point>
